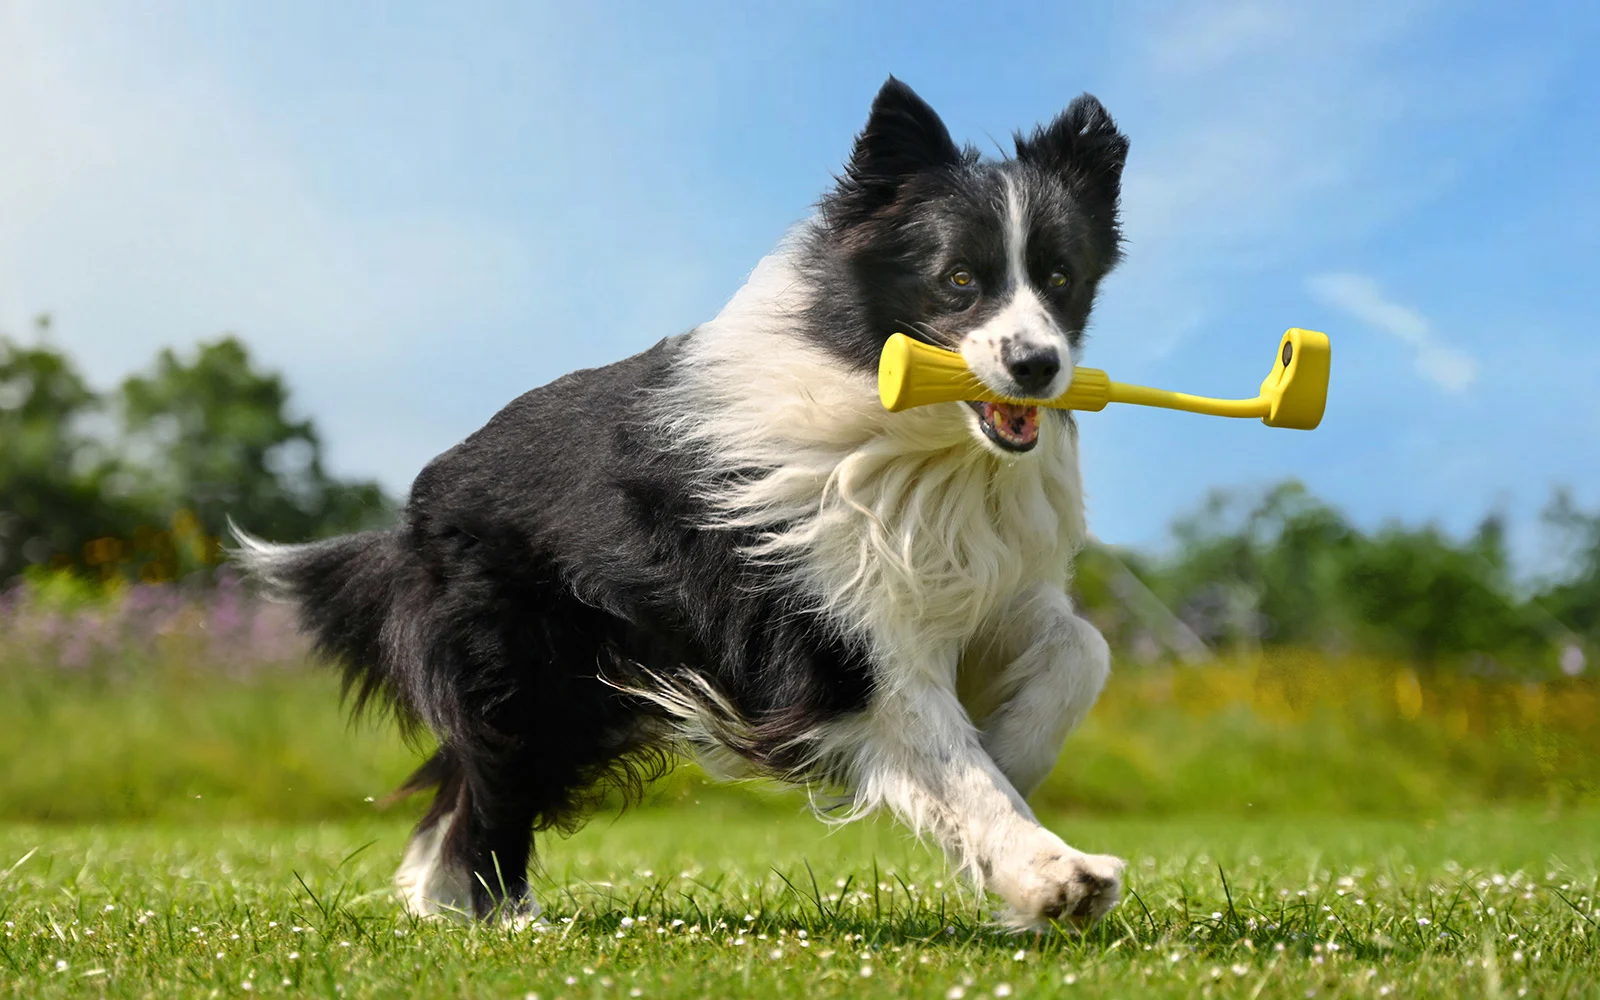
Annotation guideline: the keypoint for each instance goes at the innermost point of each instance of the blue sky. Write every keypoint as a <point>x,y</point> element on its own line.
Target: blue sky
<point>418,211</point>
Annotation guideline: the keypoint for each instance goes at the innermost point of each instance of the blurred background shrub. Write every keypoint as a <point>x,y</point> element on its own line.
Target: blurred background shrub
<point>138,483</point>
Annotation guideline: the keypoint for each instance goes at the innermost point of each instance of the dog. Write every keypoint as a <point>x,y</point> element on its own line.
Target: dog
<point>725,547</point>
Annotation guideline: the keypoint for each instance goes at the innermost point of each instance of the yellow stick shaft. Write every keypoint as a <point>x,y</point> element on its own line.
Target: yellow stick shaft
<point>1138,395</point>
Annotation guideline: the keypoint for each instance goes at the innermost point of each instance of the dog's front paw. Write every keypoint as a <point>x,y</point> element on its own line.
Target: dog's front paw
<point>1065,885</point>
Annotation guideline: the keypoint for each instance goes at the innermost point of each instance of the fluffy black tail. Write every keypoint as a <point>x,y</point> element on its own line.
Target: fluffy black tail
<point>353,595</point>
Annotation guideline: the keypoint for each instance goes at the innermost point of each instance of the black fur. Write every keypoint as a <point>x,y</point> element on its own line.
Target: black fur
<point>557,558</point>
<point>911,208</point>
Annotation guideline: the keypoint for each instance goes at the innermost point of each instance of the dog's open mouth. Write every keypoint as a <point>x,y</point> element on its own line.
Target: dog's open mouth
<point>1012,426</point>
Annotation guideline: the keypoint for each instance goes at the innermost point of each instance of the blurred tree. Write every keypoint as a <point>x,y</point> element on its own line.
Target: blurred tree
<point>1286,569</point>
<point>142,483</point>
<point>1574,599</point>
<point>212,434</point>
<point>1419,595</point>
<point>52,472</point>
<point>1245,574</point>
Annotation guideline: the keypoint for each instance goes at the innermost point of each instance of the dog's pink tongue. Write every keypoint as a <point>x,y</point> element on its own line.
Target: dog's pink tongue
<point>1019,422</point>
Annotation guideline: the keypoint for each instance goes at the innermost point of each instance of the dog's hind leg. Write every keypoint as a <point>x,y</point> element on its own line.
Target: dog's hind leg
<point>469,855</point>
<point>1054,665</point>
<point>431,881</point>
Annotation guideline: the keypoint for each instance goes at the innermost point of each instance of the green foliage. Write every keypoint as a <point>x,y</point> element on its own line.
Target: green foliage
<point>139,482</point>
<point>62,591</point>
<point>1287,570</point>
<point>1423,597</point>
<point>228,447</point>
<point>54,489</point>
<point>1492,904</point>
<point>1575,599</point>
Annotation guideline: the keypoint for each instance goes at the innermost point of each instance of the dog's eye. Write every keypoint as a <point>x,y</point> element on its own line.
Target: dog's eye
<point>1059,279</point>
<point>962,278</point>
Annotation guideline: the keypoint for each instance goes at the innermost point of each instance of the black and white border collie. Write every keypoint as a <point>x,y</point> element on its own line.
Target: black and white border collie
<point>725,546</point>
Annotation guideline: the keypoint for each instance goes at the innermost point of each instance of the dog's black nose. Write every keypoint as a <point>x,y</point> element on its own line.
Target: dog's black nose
<point>1032,368</point>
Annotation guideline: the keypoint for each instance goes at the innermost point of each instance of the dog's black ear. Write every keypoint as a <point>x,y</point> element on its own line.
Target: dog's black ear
<point>903,137</point>
<point>1082,147</point>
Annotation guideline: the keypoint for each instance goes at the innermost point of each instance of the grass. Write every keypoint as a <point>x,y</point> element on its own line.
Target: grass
<point>184,811</point>
<point>180,740</point>
<point>729,900</point>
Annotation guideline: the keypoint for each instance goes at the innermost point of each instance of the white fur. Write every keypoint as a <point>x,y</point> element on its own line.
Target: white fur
<point>1023,319</point>
<point>897,521</point>
<point>1033,682</point>
<point>261,559</point>
<point>923,759</point>
<point>706,726</point>
<point>939,554</point>
<point>429,884</point>
<point>1016,231</point>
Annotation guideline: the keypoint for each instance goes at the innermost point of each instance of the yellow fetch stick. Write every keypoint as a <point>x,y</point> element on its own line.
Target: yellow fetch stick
<point>1294,394</point>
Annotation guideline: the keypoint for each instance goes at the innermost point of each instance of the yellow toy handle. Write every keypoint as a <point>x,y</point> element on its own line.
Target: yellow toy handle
<point>1294,393</point>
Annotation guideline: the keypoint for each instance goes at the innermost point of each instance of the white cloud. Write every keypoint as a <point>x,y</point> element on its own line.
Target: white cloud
<point>1359,296</point>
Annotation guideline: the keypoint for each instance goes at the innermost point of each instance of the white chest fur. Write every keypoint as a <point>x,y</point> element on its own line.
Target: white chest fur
<point>899,525</point>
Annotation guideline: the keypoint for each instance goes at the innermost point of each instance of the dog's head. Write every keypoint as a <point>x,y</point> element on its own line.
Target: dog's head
<point>996,259</point>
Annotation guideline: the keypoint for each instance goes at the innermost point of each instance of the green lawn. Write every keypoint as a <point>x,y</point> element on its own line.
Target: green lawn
<point>736,899</point>
<point>1396,833</point>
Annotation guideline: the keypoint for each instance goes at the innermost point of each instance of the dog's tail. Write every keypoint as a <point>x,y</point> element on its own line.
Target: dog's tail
<point>438,771</point>
<point>353,596</point>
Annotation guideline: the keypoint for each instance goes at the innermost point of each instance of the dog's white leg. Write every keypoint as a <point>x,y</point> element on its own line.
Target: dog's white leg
<point>433,884</point>
<point>1057,664</point>
<point>919,754</point>
<point>429,882</point>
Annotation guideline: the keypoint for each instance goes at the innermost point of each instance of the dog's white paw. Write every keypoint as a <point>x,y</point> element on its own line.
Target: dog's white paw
<point>526,917</point>
<point>1065,885</point>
